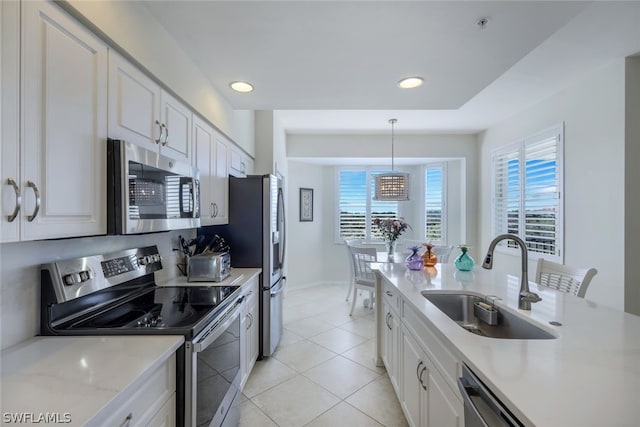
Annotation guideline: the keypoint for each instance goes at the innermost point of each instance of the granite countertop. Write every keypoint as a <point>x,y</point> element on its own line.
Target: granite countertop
<point>238,277</point>
<point>588,376</point>
<point>78,377</point>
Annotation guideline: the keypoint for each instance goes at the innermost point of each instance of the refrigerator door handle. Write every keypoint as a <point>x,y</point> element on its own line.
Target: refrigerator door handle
<point>284,224</point>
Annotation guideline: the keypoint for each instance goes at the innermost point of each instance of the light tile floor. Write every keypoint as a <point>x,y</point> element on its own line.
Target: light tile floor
<point>322,373</point>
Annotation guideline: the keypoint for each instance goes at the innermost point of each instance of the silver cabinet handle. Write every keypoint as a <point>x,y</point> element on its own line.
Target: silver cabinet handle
<point>418,370</point>
<point>211,209</point>
<point>386,320</point>
<point>160,136</point>
<point>166,134</point>
<point>127,421</point>
<point>389,293</point>
<point>33,216</point>
<point>215,210</point>
<point>243,168</point>
<point>424,368</point>
<point>16,209</point>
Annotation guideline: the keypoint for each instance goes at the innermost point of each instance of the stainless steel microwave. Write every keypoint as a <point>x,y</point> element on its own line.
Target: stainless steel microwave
<point>148,192</point>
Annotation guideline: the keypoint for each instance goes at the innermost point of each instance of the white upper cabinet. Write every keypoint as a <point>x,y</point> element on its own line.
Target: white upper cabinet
<point>220,180</point>
<point>10,120</point>
<point>176,124</point>
<point>240,164</point>
<point>142,113</point>
<point>60,174</point>
<point>210,157</point>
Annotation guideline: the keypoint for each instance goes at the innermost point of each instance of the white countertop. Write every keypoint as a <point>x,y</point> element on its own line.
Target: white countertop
<point>78,376</point>
<point>238,277</point>
<point>588,376</point>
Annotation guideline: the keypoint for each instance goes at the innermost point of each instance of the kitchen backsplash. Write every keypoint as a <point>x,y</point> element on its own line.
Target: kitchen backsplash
<point>20,280</point>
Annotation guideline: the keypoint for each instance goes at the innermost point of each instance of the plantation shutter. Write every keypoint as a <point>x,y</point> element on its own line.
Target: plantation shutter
<point>352,204</point>
<point>527,192</point>
<point>542,194</point>
<point>434,204</point>
<point>356,207</point>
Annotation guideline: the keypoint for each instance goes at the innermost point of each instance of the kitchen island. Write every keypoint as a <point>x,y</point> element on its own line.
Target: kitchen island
<point>589,375</point>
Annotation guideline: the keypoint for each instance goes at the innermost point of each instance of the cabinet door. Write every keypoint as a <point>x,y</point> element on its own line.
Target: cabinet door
<point>221,182</point>
<point>236,166</point>
<point>253,338</point>
<point>444,408</point>
<point>176,124</point>
<point>134,105</point>
<point>204,160</point>
<point>413,390</point>
<point>64,126</point>
<point>391,345</point>
<point>166,415</point>
<point>9,120</point>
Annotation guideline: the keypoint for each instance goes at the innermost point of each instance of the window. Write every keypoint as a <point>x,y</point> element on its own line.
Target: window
<point>434,202</point>
<point>356,207</point>
<point>527,200</point>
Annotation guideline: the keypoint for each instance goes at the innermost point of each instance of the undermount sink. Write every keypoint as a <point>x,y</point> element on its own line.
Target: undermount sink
<point>459,307</point>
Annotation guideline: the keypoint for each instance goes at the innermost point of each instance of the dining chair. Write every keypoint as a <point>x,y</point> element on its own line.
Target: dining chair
<point>350,243</point>
<point>563,277</point>
<point>363,276</point>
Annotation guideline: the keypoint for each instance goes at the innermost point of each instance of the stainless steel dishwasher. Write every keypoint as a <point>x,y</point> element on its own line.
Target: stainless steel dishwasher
<point>481,407</point>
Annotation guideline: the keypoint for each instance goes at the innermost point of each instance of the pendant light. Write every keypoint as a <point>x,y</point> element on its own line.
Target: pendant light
<point>392,186</point>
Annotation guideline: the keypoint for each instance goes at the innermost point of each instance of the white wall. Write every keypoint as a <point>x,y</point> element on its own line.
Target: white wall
<point>592,110</point>
<point>305,240</point>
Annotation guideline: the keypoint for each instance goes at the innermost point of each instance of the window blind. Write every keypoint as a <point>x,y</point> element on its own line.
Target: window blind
<point>434,197</point>
<point>527,192</point>
<point>356,207</point>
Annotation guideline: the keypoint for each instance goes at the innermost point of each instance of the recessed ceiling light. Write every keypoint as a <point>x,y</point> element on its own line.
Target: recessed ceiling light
<point>410,82</point>
<point>243,87</point>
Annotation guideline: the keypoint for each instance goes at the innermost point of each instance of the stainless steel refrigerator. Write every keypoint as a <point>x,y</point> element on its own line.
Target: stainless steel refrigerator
<point>256,235</point>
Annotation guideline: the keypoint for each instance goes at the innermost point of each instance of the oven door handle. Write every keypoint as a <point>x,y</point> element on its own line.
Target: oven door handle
<point>207,337</point>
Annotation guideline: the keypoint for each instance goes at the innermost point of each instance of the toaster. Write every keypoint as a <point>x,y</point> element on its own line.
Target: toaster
<point>211,267</point>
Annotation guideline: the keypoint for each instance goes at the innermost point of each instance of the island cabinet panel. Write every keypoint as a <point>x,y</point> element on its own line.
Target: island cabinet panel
<point>422,370</point>
<point>426,398</point>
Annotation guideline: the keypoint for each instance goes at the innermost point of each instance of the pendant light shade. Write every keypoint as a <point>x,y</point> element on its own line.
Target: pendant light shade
<point>392,186</point>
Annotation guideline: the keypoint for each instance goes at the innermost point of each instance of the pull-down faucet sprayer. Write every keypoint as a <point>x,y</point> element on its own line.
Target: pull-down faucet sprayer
<point>526,296</point>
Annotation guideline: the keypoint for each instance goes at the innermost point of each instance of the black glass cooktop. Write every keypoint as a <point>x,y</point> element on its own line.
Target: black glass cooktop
<point>161,310</point>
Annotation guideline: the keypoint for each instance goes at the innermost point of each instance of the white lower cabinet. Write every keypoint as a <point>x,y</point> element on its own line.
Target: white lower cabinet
<point>391,343</point>
<point>422,370</point>
<point>426,399</point>
<point>249,329</point>
<point>152,404</point>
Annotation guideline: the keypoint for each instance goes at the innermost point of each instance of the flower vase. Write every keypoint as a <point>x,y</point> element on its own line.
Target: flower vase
<point>391,248</point>
<point>464,262</point>
<point>429,258</point>
<point>414,261</point>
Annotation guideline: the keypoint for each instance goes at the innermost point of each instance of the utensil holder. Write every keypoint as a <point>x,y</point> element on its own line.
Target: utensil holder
<point>486,313</point>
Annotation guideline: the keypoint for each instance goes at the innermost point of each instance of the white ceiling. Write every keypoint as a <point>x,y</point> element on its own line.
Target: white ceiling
<point>333,66</point>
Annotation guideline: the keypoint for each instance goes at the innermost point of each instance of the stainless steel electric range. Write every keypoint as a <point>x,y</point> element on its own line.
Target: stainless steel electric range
<point>116,294</point>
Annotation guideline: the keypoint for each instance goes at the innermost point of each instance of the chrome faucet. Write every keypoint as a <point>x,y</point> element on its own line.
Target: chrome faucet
<point>526,296</point>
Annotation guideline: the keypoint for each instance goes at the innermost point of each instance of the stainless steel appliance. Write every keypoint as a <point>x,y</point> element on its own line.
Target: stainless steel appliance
<point>115,294</point>
<point>481,407</point>
<point>147,192</point>
<point>256,235</point>
<point>211,267</point>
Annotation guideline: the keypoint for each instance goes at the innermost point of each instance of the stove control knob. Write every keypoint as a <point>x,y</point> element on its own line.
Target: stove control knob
<point>143,260</point>
<point>72,279</point>
<point>156,257</point>
<point>84,276</point>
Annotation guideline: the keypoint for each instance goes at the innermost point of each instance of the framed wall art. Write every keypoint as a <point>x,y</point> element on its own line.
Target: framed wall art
<point>306,204</point>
